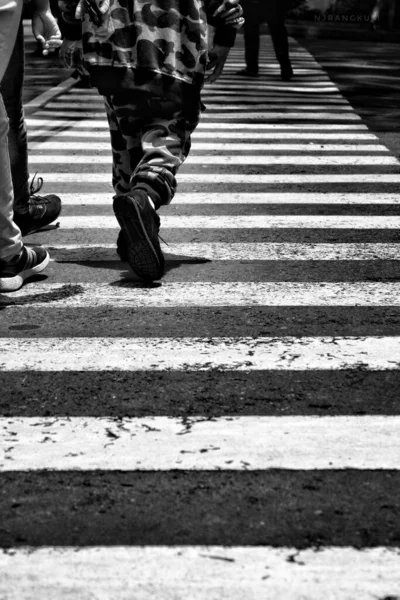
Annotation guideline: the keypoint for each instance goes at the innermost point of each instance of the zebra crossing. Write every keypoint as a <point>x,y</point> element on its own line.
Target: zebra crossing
<point>233,431</point>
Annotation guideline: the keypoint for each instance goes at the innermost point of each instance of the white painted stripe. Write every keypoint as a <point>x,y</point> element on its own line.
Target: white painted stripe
<point>246,198</point>
<point>285,116</point>
<point>259,179</point>
<point>243,114</point>
<point>245,222</point>
<point>267,106</point>
<point>297,135</point>
<point>199,573</point>
<point>284,126</point>
<point>240,251</point>
<point>246,103</point>
<point>91,124</point>
<point>313,88</point>
<point>236,293</point>
<point>199,354</point>
<point>220,135</point>
<point>310,147</point>
<point>218,159</point>
<point>230,443</point>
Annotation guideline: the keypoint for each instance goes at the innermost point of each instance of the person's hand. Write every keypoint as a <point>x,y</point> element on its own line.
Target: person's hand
<point>216,61</point>
<point>96,9</point>
<point>46,31</point>
<point>231,13</point>
<point>71,54</point>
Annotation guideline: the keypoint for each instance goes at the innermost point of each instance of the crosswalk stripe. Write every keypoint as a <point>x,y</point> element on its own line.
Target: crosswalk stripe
<point>164,443</point>
<point>197,354</point>
<point>243,146</point>
<point>92,123</point>
<point>234,293</point>
<point>201,572</point>
<point>245,222</point>
<point>242,251</point>
<point>260,179</point>
<point>220,135</point>
<point>242,159</point>
<point>249,103</point>
<point>297,198</point>
<point>221,116</point>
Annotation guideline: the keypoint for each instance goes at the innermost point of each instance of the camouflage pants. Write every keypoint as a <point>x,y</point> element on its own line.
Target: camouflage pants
<point>150,139</point>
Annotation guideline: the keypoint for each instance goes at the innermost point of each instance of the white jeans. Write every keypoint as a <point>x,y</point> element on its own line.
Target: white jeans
<point>10,235</point>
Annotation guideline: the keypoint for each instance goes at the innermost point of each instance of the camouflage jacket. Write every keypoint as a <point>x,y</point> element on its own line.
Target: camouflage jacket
<point>141,41</point>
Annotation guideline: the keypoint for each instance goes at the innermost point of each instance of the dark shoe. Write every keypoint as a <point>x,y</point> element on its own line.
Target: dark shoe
<point>122,246</point>
<point>30,261</point>
<point>247,73</point>
<point>286,72</point>
<point>140,225</point>
<point>41,210</point>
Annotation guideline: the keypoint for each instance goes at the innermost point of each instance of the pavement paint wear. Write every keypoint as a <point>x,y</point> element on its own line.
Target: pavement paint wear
<point>346,160</point>
<point>104,146</point>
<point>350,514</point>
<point>245,179</point>
<point>205,572</point>
<point>196,354</point>
<point>194,294</point>
<point>163,443</point>
<point>265,198</point>
<point>220,251</point>
<point>247,222</point>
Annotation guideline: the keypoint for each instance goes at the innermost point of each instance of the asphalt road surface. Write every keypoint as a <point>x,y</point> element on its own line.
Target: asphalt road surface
<point>231,431</point>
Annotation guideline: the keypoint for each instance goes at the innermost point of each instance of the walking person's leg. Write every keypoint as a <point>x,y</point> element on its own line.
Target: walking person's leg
<point>276,22</point>
<point>251,29</point>
<point>17,262</point>
<point>152,142</point>
<point>31,211</point>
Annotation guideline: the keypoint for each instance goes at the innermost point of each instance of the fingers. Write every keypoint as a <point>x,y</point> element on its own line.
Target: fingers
<point>80,10</point>
<point>226,5</point>
<point>104,6</point>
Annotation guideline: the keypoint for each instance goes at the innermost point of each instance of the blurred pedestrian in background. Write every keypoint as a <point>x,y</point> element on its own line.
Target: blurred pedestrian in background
<point>21,211</point>
<point>380,5</point>
<point>271,12</point>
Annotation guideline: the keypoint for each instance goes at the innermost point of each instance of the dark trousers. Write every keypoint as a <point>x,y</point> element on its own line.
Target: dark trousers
<point>273,13</point>
<point>12,89</point>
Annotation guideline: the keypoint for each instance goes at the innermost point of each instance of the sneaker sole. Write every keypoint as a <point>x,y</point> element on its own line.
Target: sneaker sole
<point>142,255</point>
<point>12,284</point>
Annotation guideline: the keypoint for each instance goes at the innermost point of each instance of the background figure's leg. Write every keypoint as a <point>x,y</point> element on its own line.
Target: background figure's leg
<point>391,13</point>
<point>251,39</point>
<point>12,89</point>
<point>276,24</point>
<point>375,14</point>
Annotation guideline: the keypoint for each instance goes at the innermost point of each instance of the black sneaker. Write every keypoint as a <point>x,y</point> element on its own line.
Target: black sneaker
<point>30,261</point>
<point>41,210</point>
<point>122,246</point>
<point>138,240</point>
<point>286,72</point>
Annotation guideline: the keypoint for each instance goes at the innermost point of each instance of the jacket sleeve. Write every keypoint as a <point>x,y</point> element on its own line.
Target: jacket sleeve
<point>72,28</point>
<point>225,35</point>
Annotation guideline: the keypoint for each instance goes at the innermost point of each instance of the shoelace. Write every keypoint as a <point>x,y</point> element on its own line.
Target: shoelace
<point>33,198</point>
<point>34,190</point>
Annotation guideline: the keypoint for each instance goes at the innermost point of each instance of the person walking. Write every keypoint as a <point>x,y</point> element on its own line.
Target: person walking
<point>18,261</point>
<point>149,58</point>
<point>31,210</point>
<point>271,12</point>
<point>376,12</point>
